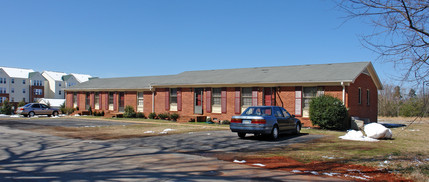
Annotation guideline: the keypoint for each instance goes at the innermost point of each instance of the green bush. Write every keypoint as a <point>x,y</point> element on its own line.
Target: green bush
<point>129,112</point>
<point>174,116</point>
<point>62,107</point>
<point>102,113</point>
<point>140,115</point>
<point>225,122</point>
<point>412,108</point>
<point>68,110</point>
<point>152,115</point>
<point>90,110</point>
<point>6,108</point>
<point>164,116</point>
<point>328,112</point>
<point>22,103</point>
<point>95,113</point>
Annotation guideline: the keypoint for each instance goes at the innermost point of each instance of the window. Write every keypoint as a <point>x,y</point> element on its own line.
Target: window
<point>140,102</point>
<point>12,90</point>
<point>2,99</point>
<point>278,113</point>
<point>111,101</point>
<point>37,91</point>
<point>360,96</point>
<point>74,100</point>
<point>173,99</point>
<point>12,80</point>
<point>13,99</point>
<point>216,100</point>
<point>23,81</point>
<point>59,84</point>
<point>367,97</point>
<point>1,80</point>
<point>59,92</point>
<point>23,90</point>
<point>246,98</point>
<point>308,94</point>
<point>96,100</point>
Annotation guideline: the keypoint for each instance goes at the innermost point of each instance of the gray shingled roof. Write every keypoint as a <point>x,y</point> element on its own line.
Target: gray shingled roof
<point>317,73</point>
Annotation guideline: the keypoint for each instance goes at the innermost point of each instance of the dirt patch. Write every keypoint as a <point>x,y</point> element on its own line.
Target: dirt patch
<point>320,168</point>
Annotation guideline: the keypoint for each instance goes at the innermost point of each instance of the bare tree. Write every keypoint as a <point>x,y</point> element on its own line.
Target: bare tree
<point>401,33</point>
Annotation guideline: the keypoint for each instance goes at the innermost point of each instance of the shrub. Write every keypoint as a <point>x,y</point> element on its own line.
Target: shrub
<point>6,108</point>
<point>90,110</point>
<point>328,112</point>
<point>62,107</point>
<point>164,116</point>
<point>152,115</point>
<point>225,122</point>
<point>95,113</point>
<point>67,110</point>
<point>129,112</point>
<point>140,115</point>
<point>77,108</point>
<point>102,113</point>
<point>174,116</point>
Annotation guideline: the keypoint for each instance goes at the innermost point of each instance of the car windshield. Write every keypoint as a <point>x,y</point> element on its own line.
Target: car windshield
<point>257,111</point>
<point>27,105</point>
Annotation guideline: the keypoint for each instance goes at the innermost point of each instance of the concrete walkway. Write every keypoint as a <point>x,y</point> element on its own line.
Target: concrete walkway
<point>28,156</point>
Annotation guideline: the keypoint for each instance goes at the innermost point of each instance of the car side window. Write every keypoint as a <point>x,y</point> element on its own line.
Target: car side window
<point>43,106</point>
<point>35,106</point>
<point>277,112</point>
<point>285,112</point>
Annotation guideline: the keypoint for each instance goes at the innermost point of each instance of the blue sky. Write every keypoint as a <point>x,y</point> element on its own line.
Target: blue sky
<point>120,38</point>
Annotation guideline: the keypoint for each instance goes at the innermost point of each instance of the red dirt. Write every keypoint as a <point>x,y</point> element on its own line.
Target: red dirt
<point>339,170</point>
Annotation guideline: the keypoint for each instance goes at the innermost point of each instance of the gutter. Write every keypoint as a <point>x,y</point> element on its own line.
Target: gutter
<point>153,97</point>
<point>344,93</point>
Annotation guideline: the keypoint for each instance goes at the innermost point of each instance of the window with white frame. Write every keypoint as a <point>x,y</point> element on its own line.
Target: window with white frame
<point>111,101</point>
<point>246,98</point>
<point>74,100</point>
<point>37,91</point>
<point>12,90</point>
<point>2,99</point>
<point>140,102</point>
<point>23,81</point>
<point>1,80</point>
<point>12,80</point>
<point>97,100</point>
<point>308,94</point>
<point>59,84</point>
<point>216,100</point>
<point>13,99</point>
<point>173,99</point>
<point>59,92</point>
<point>23,90</point>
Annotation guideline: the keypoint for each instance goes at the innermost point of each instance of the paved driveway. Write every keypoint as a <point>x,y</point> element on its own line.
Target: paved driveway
<point>29,156</point>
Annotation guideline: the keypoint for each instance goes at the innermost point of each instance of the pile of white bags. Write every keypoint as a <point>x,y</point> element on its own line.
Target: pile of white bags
<point>377,131</point>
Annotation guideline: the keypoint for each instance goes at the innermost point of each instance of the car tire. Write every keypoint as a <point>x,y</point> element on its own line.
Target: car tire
<point>275,133</point>
<point>241,135</point>
<point>55,113</point>
<point>24,115</point>
<point>297,128</point>
<point>31,114</point>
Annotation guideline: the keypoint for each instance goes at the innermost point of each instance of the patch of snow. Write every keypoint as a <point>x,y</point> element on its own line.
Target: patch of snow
<point>2,114</point>
<point>314,173</point>
<point>208,134</point>
<point>258,164</point>
<point>241,162</point>
<point>356,136</point>
<point>191,133</point>
<point>163,132</point>
<point>296,171</point>
<point>357,177</point>
<point>168,129</point>
<point>427,159</point>
<point>377,131</point>
<point>327,157</point>
<point>330,174</point>
<point>15,116</point>
<point>357,170</point>
<point>414,130</point>
<point>149,132</point>
<point>77,115</point>
<point>89,126</point>
<point>386,162</point>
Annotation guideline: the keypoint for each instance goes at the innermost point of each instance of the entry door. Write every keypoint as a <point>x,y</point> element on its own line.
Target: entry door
<point>121,101</point>
<point>268,96</point>
<point>198,101</point>
<point>87,101</point>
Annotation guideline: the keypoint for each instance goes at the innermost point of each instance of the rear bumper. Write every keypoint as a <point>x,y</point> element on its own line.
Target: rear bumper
<point>259,129</point>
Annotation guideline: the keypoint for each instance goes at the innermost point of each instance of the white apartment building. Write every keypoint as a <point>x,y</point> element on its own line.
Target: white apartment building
<point>15,84</point>
<point>56,85</point>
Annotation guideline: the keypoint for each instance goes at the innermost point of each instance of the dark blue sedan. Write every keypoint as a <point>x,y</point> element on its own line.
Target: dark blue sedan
<point>265,120</point>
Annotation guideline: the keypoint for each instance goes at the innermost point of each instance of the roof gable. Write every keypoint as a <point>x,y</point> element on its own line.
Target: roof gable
<point>57,76</point>
<point>17,72</point>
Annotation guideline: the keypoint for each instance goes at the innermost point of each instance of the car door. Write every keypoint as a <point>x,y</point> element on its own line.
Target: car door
<point>289,119</point>
<point>44,109</point>
<point>36,108</point>
<point>281,120</point>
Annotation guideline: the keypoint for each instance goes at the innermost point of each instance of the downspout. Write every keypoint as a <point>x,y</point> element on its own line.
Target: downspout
<point>344,93</point>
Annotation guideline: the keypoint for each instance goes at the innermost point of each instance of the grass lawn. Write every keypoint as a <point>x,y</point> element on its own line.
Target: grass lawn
<point>407,153</point>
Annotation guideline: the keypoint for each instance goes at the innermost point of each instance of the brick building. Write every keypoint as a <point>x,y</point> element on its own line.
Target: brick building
<point>220,94</point>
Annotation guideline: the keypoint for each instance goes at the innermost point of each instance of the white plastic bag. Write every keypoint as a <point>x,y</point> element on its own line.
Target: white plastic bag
<point>377,131</point>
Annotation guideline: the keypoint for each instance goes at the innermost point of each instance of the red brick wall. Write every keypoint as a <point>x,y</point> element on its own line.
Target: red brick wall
<point>130,99</point>
<point>69,99</point>
<point>147,103</point>
<point>363,110</point>
<point>160,100</point>
<point>81,98</point>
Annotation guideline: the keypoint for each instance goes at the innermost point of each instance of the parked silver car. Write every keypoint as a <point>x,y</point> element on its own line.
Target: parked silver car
<point>265,120</point>
<point>32,109</point>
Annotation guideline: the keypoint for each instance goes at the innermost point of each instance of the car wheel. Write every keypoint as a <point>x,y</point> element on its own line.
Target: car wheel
<point>297,128</point>
<point>241,135</point>
<point>275,133</point>
<point>31,114</point>
<point>55,113</point>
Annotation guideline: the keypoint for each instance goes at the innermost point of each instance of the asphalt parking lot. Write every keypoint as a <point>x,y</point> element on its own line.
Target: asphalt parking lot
<point>30,156</point>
